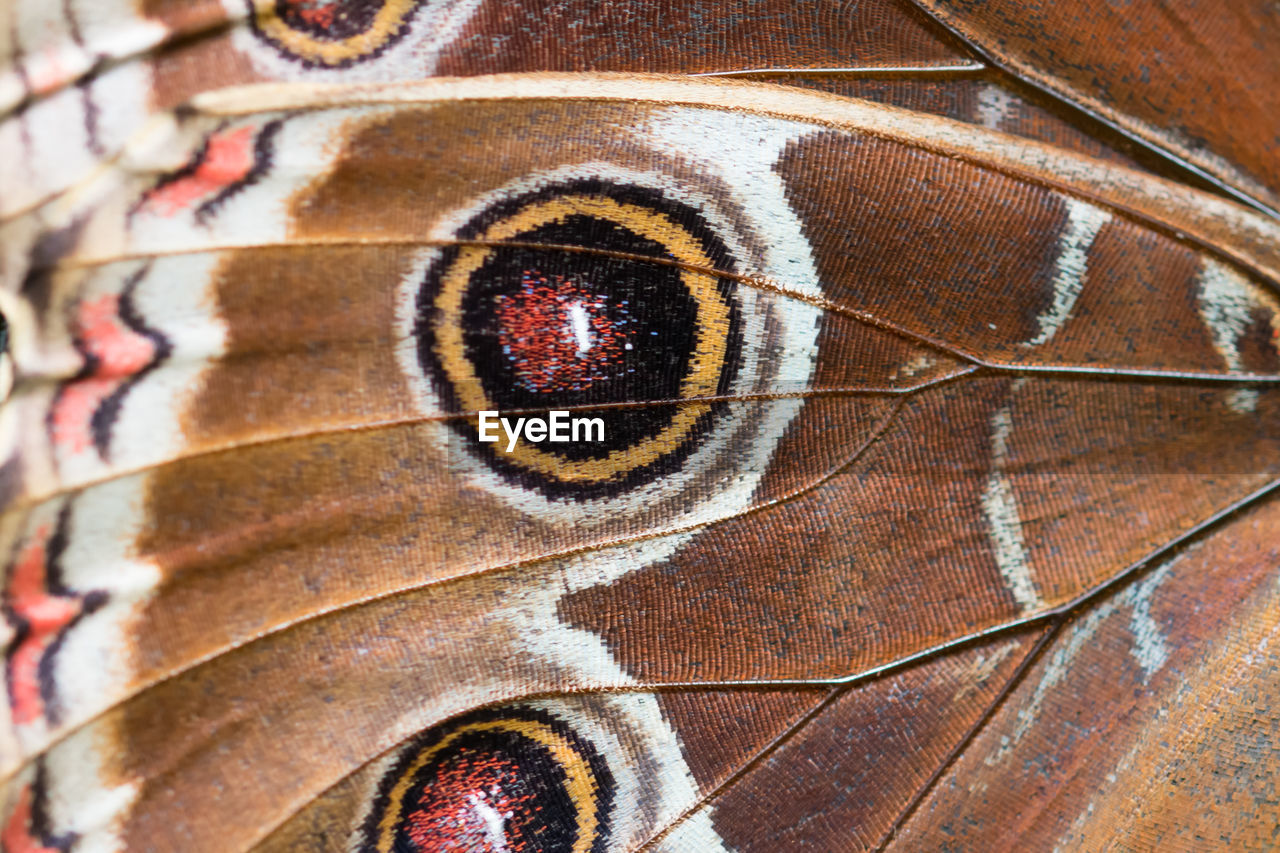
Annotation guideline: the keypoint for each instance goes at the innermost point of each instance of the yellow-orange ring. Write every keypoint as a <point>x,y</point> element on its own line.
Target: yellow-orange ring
<point>386,25</point>
<point>710,351</point>
<point>580,782</point>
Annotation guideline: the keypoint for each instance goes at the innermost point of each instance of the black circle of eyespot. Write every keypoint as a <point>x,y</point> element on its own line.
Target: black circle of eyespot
<point>646,309</point>
<point>550,787</point>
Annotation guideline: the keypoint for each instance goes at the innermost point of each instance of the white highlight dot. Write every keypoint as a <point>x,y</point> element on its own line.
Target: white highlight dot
<point>580,327</point>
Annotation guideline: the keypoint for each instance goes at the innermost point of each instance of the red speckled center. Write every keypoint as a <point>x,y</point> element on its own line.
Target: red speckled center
<point>476,803</point>
<point>559,335</point>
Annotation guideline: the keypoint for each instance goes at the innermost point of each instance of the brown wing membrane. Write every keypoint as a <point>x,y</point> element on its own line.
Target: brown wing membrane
<point>983,502</point>
<point>1150,721</point>
<point>839,781</point>
<point>1195,82</point>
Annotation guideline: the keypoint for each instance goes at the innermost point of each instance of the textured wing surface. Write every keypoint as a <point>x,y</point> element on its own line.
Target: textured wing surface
<point>938,441</point>
<point>1192,79</point>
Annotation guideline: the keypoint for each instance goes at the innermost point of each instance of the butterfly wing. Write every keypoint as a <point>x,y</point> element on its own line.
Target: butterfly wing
<point>930,419</point>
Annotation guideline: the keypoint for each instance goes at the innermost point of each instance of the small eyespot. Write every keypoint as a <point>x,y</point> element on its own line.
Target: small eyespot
<point>332,33</point>
<point>510,778</point>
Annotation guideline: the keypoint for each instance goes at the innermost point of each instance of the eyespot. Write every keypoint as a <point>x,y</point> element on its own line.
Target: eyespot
<point>526,328</point>
<point>515,775</point>
<point>331,33</point>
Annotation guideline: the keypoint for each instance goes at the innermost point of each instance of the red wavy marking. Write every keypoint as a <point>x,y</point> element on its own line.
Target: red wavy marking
<point>44,615</point>
<point>115,353</point>
<point>19,834</point>
<point>227,159</point>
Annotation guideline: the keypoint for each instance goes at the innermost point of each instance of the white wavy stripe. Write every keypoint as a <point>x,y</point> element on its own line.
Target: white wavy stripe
<point>1084,221</point>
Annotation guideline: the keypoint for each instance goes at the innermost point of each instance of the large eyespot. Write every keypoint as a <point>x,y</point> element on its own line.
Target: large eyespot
<point>506,779</point>
<point>525,328</point>
<point>331,33</point>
